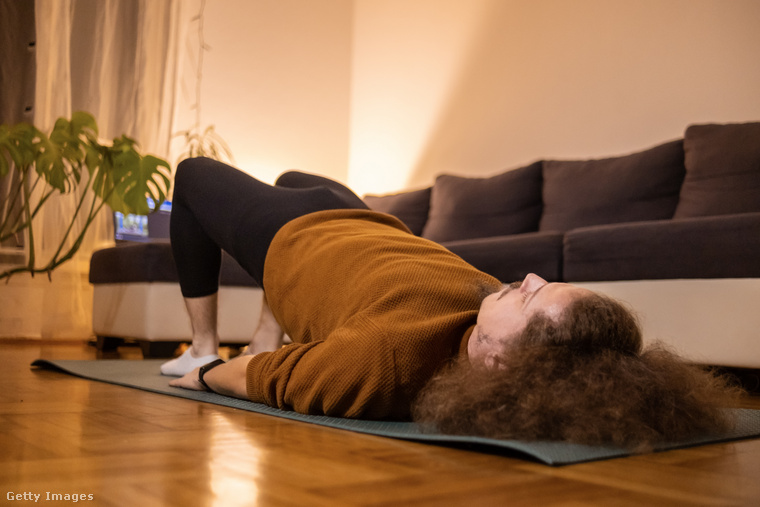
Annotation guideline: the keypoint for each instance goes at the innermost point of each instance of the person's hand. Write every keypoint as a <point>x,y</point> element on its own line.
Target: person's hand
<point>189,381</point>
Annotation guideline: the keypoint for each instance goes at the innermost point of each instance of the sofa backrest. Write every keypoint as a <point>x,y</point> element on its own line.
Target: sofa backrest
<point>457,207</point>
<point>501,205</point>
<point>722,170</point>
<point>410,207</point>
<point>640,186</point>
<point>714,170</point>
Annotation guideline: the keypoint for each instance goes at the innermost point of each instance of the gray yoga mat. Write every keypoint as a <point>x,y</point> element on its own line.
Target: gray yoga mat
<point>145,375</point>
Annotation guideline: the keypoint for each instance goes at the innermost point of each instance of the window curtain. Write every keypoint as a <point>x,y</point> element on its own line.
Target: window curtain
<point>16,100</point>
<point>118,60</point>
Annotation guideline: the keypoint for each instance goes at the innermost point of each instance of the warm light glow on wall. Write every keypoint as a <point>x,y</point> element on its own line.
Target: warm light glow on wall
<point>395,117</point>
<point>477,87</point>
<point>259,169</point>
<point>276,83</point>
<point>385,94</point>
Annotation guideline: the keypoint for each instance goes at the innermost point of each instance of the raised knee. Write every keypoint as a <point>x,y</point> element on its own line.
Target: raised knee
<point>293,179</point>
<point>186,169</point>
<point>190,164</point>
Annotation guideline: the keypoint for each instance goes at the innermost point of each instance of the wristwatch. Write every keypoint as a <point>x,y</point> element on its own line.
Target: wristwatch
<point>207,368</point>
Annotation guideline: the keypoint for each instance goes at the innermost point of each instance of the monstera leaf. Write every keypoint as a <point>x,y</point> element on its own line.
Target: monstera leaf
<point>118,175</point>
<point>124,178</point>
<point>17,144</point>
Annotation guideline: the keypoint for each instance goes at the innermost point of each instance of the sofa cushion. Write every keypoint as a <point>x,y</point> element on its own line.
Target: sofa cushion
<point>464,208</point>
<point>153,262</point>
<point>510,258</point>
<point>410,207</point>
<point>640,186</point>
<point>704,247</point>
<point>722,170</point>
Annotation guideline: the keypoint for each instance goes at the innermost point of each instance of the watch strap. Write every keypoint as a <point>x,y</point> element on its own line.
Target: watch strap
<point>207,368</point>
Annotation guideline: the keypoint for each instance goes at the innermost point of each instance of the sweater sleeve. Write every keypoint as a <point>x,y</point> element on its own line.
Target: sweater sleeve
<point>344,376</point>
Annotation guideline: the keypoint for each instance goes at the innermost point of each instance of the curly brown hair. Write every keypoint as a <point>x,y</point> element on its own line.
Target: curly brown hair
<point>584,379</point>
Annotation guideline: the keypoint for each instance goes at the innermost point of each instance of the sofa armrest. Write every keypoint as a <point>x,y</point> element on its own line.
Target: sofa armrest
<point>726,246</point>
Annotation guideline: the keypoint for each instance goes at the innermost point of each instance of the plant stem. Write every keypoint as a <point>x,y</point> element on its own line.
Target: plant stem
<point>17,224</point>
<point>30,229</point>
<point>69,228</point>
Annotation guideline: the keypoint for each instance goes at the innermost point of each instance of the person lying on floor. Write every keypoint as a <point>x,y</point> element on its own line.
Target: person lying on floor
<point>388,325</point>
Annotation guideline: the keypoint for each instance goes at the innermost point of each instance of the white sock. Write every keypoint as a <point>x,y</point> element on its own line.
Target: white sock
<point>185,364</point>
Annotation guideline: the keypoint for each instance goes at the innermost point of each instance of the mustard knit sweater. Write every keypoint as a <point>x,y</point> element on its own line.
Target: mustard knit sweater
<point>373,312</point>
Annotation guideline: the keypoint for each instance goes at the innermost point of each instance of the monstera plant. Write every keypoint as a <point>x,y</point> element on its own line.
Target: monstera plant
<point>70,158</point>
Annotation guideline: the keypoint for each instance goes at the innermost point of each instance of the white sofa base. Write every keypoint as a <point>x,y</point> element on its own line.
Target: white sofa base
<point>155,311</point>
<point>708,321</point>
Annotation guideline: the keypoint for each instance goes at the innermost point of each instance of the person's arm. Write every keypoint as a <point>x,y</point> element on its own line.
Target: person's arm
<point>228,379</point>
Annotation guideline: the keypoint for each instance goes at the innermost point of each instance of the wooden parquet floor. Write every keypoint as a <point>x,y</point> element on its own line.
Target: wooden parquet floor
<point>63,436</point>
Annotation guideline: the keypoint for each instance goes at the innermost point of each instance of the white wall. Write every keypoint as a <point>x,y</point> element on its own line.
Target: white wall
<point>276,83</point>
<point>479,86</point>
<point>385,94</point>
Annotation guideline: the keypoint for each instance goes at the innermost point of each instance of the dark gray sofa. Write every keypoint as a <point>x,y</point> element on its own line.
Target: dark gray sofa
<point>688,208</point>
<point>680,218</point>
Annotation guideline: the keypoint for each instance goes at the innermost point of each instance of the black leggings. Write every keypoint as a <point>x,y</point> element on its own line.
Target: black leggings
<point>217,207</point>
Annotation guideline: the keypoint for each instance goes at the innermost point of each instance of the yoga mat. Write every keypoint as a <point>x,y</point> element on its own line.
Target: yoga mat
<point>145,375</point>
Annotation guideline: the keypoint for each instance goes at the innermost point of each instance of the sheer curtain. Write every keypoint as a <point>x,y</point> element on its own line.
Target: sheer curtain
<point>118,60</point>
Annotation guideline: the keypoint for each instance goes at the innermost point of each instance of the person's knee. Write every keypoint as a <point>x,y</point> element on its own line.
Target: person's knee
<point>190,165</point>
<point>187,170</point>
<point>292,179</point>
<point>183,168</point>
